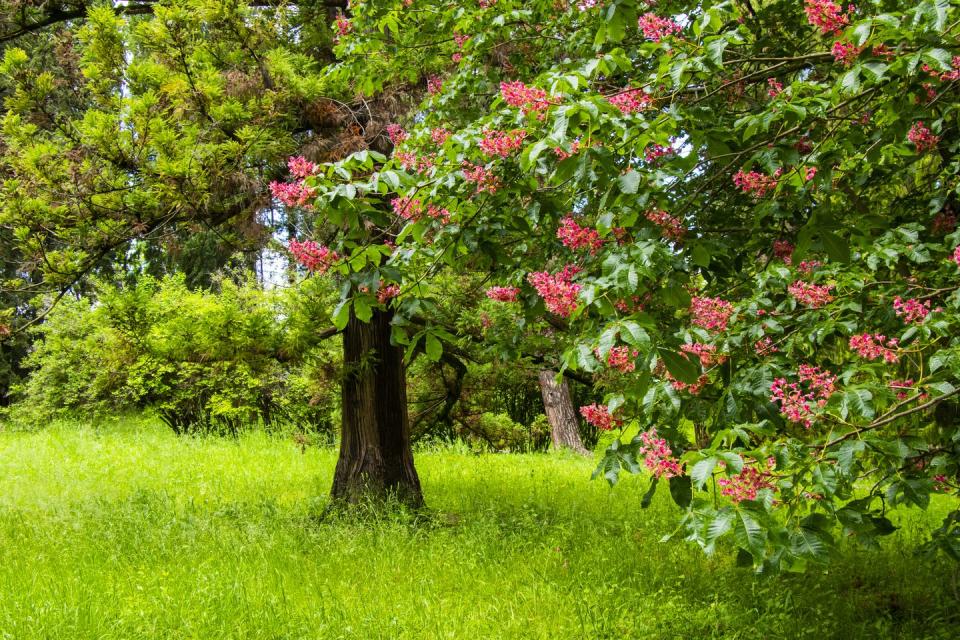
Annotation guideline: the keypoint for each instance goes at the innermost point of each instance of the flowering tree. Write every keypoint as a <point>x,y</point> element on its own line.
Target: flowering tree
<point>742,216</point>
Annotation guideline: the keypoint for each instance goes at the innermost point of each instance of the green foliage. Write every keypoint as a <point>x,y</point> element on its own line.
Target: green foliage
<point>202,360</point>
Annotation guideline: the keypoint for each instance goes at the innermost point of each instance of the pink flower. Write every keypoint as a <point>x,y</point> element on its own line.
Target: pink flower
<point>434,85</point>
<point>706,353</point>
<point>479,175</point>
<point>656,28</point>
<point>776,88</point>
<point>797,401</point>
<point>670,227</point>
<point>413,209</point>
<point>956,256</point>
<point>501,143</point>
<point>911,310</point>
<point>657,456</point>
<point>527,99</point>
<point>811,295</point>
<point>710,313</point>
<point>586,5</point>
<point>300,167</point>
<point>810,174</point>
<point>342,25</point>
<point>875,346</point>
<point>764,347</point>
<point>783,250</point>
<point>439,136</point>
<point>292,194</point>
<point>558,292</point>
<point>756,183</point>
<point>656,151</point>
<point>599,416</point>
<point>396,133</point>
<point>621,359</point>
<point>574,237</point>
<point>901,386</point>
<point>503,294</point>
<point>692,389</point>
<point>922,137</point>
<point>844,53</point>
<point>312,255</point>
<point>746,484</point>
<point>386,293</point>
<point>825,15</point>
<point>808,266</point>
<point>630,100</point>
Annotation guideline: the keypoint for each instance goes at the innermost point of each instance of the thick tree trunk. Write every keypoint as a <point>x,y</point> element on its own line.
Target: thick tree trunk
<point>376,461</point>
<point>560,413</point>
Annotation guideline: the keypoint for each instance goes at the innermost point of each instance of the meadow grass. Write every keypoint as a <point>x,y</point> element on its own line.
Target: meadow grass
<point>126,531</point>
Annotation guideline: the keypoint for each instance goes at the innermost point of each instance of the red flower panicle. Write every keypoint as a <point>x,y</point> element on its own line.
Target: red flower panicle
<point>657,456</point>
<point>656,28</point>
<point>630,100</point>
<point>575,237</point>
<point>527,99</point>
<point>503,294</point>
<point>799,399</point>
<point>811,295</point>
<point>599,416</point>
<point>670,226</point>
<point>312,255</point>
<point>558,292</point>
<point>922,137</point>
<point>756,183</point>
<point>711,313</point>
<point>874,346</point>
<point>747,484</point>
<point>827,16</point>
<point>501,143</point>
<point>911,310</point>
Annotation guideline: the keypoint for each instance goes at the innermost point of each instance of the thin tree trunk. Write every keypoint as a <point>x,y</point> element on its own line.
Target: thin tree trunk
<point>375,460</point>
<point>564,431</point>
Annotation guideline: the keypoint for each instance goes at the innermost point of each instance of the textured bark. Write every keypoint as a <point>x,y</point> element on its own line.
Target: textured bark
<point>560,413</point>
<point>375,461</point>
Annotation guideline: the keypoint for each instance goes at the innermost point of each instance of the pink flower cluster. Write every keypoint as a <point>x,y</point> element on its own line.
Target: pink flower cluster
<point>621,359</point>
<point>586,5</point>
<point>765,347</point>
<point>485,179</point>
<point>826,15</point>
<point>388,292</point>
<point>574,237</point>
<point>412,162</point>
<point>630,100</point>
<point>901,387</point>
<point>501,143</point>
<point>558,292</point>
<point>922,137</point>
<point>656,151</point>
<point>692,389</point>
<point>670,226</point>
<point>776,87</point>
<point>873,346</point>
<point>656,28</point>
<point>312,255</point>
<point>396,133</point>
<point>434,85</point>
<point>413,209</point>
<point>945,222</point>
<point>783,249</point>
<point>946,76</point>
<point>808,266</point>
<point>796,401</point>
<point>911,310</point>
<point>811,295</point>
<point>292,194</point>
<point>300,167</point>
<point>658,456</point>
<point>342,25</point>
<point>845,53</point>
<point>756,183</point>
<point>956,256</point>
<point>710,313</point>
<point>527,99</point>
<point>746,484</point>
<point>706,353</point>
<point>439,135</point>
<point>599,416</point>
<point>503,294</point>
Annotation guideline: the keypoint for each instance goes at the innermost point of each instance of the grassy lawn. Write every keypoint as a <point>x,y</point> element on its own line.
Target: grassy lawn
<point>126,531</point>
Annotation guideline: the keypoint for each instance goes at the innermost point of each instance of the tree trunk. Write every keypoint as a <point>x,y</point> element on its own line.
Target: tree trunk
<point>564,431</point>
<point>375,461</point>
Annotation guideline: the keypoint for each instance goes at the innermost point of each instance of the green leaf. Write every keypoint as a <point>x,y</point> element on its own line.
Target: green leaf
<point>681,490</point>
<point>362,309</point>
<point>702,471</point>
<point>648,496</point>
<point>629,182</point>
<point>341,314</point>
<point>434,347</point>
<point>837,248</point>
<point>679,366</point>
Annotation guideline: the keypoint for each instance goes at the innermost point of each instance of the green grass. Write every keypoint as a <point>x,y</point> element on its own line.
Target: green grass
<point>129,532</point>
